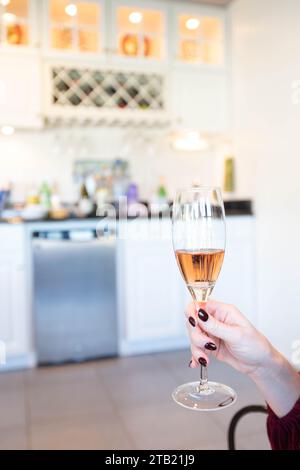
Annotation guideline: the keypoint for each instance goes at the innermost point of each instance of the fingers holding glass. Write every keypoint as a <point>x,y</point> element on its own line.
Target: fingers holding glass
<point>201,346</point>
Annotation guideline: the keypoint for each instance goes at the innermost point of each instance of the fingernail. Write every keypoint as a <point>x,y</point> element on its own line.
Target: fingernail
<point>210,346</point>
<point>202,315</point>
<point>190,363</point>
<point>192,321</point>
<point>202,361</point>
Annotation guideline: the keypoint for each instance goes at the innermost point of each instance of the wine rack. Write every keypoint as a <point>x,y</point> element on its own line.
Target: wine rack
<point>109,95</point>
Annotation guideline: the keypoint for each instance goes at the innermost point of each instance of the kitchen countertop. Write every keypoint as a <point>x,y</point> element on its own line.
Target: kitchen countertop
<point>232,208</point>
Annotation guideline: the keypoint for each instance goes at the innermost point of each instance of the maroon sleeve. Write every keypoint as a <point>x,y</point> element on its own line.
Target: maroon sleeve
<point>284,433</point>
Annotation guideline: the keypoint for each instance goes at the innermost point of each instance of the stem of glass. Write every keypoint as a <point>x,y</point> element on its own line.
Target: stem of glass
<point>203,379</point>
<point>203,384</point>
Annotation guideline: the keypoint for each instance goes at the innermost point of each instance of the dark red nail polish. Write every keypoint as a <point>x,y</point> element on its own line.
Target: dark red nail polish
<point>202,315</point>
<point>210,346</point>
<point>190,363</point>
<point>202,361</point>
<point>192,321</point>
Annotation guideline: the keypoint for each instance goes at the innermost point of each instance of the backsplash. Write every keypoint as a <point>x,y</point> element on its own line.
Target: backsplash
<point>29,158</point>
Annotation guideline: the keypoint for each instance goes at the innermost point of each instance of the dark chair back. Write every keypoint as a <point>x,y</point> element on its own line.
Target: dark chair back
<point>236,418</point>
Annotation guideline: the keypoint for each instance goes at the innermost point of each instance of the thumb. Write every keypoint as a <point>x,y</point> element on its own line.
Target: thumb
<point>217,328</point>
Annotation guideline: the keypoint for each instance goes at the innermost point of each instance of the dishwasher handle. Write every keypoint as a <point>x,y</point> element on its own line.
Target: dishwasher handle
<point>43,244</point>
<point>80,236</point>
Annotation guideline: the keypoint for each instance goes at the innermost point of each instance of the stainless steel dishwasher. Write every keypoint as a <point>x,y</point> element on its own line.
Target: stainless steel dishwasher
<point>75,303</point>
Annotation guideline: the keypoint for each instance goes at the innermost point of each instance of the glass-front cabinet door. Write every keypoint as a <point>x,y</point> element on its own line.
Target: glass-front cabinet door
<point>75,26</point>
<point>200,36</point>
<point>16,22</point>
<point>139,30</point>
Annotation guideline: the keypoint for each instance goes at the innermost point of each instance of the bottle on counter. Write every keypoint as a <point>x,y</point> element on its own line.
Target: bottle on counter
<point>162,193</point>
<point>32,197</point>
<point>85,204</point>
<point>83,192</point>
<point>120,179</point>
<point>132,194</point>
<point>55,198</point>
<point>102,193</point>
<point>5,193</point>
<point>229,177</point>
<point>159,200</point>
<point>45,195</point>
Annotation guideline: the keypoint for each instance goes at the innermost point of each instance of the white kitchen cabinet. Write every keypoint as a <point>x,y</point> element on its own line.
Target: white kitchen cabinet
<point>18,24</point>
<point>20,89</point>
<point>143,33</point>
<point>200,68</point>
<point>15,323</point>
<point>11,303</point>
<point>79,29</point>
<point>200,100</point>
<point>74,28</point>
<point>20,66</point>
<point>151,293</point>
<point>199,35</point>
<point>139,31</point>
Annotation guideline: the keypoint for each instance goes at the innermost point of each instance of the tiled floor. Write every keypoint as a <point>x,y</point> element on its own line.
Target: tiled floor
<point>120,404</point>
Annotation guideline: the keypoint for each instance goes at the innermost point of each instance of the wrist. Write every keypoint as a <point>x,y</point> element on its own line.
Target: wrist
<point>278,382</point>
<point>271,365</point>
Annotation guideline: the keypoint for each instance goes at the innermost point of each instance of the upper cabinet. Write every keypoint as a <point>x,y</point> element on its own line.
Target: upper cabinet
<point>76,27</point>
<point>139,30</point>
<point>17,23</point>
<point>200,86</point>
<point>200,35</point>
<point>20,90</point>
<point>20,65</point>
<point>135,31</point>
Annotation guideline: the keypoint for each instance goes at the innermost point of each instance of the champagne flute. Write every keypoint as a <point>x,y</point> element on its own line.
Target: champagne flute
<point>199,237</point>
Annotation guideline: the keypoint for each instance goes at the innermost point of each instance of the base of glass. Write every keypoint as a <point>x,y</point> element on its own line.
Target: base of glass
<point>212,397</point>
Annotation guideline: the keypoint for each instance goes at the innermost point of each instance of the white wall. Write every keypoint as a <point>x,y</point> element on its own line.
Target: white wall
<point>266,48</point>
<point>28,158</point>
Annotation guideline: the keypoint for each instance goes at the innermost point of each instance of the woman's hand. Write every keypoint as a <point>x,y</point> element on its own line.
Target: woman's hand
<point>220,329</point>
